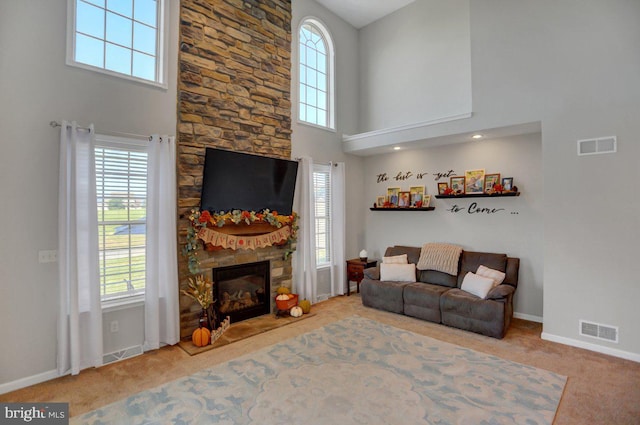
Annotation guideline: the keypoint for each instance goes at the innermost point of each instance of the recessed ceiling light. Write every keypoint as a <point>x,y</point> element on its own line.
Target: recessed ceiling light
<point>396,148</point>
<point>477,136</point>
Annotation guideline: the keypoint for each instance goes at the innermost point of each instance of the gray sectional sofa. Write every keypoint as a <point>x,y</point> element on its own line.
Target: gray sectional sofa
<point>437,297</point>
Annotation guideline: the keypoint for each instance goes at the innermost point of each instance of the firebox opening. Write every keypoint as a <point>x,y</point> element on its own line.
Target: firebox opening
<point>242,291</point>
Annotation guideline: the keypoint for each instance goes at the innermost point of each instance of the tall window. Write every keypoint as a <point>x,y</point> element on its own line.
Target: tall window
<point>121,187</point>
<point>117,36</point>
<point>322,196</point>
<point>315,75</point>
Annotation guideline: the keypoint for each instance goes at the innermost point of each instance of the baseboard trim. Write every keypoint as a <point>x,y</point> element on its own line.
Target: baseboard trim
<point>591,347</point>
<point>529,317</point>
<point>28,381</point>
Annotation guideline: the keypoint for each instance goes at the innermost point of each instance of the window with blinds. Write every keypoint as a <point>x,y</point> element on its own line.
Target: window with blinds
<point>121,187</point>
<point>322,196</point>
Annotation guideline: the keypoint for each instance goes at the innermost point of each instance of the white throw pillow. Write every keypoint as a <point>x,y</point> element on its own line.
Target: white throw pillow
<point>496,275</point>
<point>396,259</point>
<point>398,272</point>
<point>476,285</point>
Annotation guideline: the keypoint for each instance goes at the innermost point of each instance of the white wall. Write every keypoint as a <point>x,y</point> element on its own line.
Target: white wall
<point>573,66</point>
<point>325,145</point>
<point>38,87</point>
<point>422,55</point>
<point>515,230</point>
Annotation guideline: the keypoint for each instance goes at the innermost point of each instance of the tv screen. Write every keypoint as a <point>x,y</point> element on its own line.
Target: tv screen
<point>241,181</point>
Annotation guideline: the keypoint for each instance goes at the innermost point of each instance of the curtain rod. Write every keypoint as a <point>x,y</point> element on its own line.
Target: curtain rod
<point>55,124</point>
<point>335,164</point>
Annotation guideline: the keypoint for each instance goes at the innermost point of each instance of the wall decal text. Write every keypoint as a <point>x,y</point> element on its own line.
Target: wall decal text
<point>475,209</point>
<point>405,175</point>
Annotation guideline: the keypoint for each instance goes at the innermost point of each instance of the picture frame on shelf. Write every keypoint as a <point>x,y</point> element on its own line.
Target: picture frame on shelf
<point>426,200</point>
<point>474,181</point>
<point>380,201</point>
<point>404,199</point>
<point>416,194</point>
<point>457,184</point>
<point>442,187</point>
<point>507,184</point>
<point>393,194</point>
<point>490,180</point>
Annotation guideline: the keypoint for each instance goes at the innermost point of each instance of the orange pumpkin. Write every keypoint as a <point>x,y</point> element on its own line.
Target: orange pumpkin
<point>201,337</point>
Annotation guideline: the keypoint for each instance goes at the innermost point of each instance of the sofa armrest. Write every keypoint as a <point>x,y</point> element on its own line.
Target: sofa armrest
<point>372,273</point>
<point>500,292</point>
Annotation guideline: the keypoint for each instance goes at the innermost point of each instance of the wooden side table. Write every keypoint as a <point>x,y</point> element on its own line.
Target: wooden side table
<point>355,271</point>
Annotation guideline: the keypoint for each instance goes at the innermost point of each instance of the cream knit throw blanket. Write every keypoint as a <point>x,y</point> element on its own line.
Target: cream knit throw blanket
<point>441,257</point>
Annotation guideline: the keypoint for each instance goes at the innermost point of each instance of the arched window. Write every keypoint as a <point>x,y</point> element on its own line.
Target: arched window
<point>315,95</point>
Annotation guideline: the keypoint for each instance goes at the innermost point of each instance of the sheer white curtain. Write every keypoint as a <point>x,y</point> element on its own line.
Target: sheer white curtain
<point>304,258</point>
<point>338,213</point>
<point>80,314</point>
<point>162,319</point>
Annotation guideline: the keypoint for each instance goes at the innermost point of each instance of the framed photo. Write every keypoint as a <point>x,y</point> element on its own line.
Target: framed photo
<point>392,195</point>
<point>380,200</point>
<point>416,193</point>
<point>457,184</point>
<point>507,183</point>
<point>474,181</point>
<point>490,180</point>
<point>442,187</point>
<point>426,199</point>
<point>404,199</point>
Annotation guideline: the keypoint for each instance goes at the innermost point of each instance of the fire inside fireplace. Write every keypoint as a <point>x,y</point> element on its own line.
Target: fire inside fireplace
<point>242,291</point>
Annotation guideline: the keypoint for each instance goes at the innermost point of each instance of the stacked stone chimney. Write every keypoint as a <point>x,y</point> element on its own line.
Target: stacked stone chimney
<point>233,93</point>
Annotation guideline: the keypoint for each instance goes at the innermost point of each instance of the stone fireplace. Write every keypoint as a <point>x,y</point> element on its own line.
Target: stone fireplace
<point>233,93</point>
<point>242,291</point>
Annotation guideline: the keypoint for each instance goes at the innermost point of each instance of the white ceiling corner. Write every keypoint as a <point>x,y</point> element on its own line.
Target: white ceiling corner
<point>360,13</point>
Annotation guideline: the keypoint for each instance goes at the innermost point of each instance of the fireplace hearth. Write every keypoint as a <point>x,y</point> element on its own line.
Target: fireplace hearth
<point>242,291</point>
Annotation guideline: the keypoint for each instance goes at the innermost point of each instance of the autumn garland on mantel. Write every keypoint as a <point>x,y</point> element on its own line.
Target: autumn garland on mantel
<point>202,219</point>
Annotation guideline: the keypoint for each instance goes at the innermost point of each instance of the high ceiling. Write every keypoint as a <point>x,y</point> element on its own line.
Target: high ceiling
<point>360,13</point>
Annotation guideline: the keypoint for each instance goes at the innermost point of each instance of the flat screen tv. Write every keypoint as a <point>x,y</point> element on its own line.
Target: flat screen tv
<point>241,181</point>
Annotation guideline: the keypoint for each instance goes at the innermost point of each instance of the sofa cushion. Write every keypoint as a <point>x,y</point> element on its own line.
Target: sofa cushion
<point>477,285</point>
<point>396,259</point>
<point>438,278</point>
<point>383,295</point>
<point>413,253</point>
<point>470,261</point>
<point>466,311</point>
<point>398,272</point>
<point>422,300</point>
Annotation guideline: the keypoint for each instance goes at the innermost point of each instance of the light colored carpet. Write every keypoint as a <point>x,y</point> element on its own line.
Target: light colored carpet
<point>353,371</point>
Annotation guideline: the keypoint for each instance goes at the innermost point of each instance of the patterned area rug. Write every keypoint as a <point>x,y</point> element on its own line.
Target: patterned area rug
<point>354,371</point>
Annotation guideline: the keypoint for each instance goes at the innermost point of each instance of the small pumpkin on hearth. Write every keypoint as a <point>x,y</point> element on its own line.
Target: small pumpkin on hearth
<point>201,337</point>
<point>305,305</point>
<point>282,297</point>
<point>296,311</point>
<point>283,290</point>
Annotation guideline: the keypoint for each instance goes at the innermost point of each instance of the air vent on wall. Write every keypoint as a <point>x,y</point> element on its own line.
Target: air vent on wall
<point>599,331</point>
<point>597,146</point>
<point>116,356</point>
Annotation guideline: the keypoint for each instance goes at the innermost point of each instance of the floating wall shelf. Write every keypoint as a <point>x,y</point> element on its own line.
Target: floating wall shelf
<point>478,195</point>
<point>403,209</point>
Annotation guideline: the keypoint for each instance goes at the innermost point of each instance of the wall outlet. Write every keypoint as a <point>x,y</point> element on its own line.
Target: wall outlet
<point>48,256</point>
<point>115,327</point>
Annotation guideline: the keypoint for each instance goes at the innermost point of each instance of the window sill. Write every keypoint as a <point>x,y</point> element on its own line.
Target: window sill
<point>323,267</point>
<point>319,127</point>
<point>123,303</point>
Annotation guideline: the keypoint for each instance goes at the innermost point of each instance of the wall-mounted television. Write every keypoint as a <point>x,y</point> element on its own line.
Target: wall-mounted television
<point>242,181</point>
